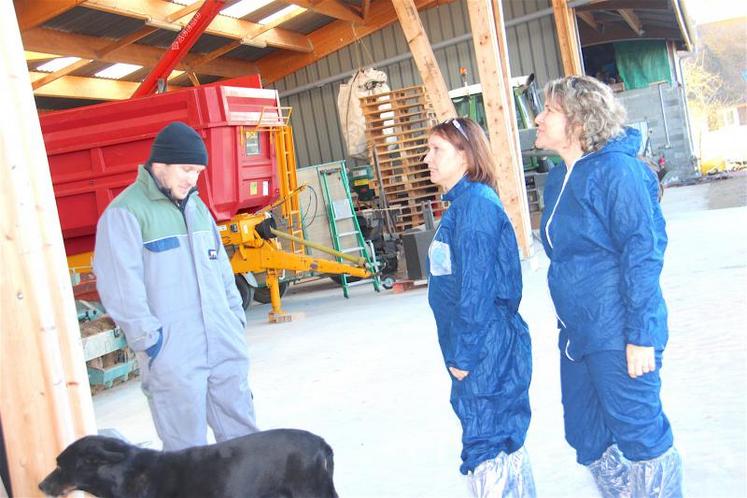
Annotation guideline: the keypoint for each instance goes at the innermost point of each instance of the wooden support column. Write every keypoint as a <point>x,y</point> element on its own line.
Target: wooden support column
<point>491,61</point>
<point>500,34</point>
<point>567,28</point>
<point>45,401</point>
<point>435,86</point>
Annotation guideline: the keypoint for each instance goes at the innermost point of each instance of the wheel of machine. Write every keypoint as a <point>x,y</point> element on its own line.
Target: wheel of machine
<point>387,282</point>
<point>245,290</point>
<point>338,279</point>
<point>262,294</point>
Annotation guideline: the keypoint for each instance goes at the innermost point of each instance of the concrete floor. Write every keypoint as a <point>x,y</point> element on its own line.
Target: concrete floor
<point>366,373</point>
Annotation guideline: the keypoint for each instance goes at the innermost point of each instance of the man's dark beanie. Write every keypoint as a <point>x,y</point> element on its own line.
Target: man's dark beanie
<point>177,143</point>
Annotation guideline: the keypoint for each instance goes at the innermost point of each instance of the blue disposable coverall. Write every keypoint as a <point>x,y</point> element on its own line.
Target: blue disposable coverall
<point>603,231</point>
<point>163,275</point>
<point>474,291</point>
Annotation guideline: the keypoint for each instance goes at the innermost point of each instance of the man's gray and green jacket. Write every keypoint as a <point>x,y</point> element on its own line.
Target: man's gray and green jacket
<point>162,267</point>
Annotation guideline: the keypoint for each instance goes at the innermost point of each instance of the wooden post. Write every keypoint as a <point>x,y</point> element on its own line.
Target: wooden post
<point>500,33</point>
<point>498,113</point>
<point>435,86</point>
<point>45,401</point>
<point>567,28</point>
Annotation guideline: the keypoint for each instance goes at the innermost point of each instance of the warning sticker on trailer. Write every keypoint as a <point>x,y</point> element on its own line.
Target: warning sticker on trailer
<point>253,187</point>
<point>265,188</point>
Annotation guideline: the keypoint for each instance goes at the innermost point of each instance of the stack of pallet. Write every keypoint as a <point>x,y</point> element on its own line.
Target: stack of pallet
<point>397,125</point>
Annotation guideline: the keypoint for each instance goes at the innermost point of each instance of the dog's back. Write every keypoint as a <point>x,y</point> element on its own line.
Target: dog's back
<point>280,463</point>
<point>276,463</point>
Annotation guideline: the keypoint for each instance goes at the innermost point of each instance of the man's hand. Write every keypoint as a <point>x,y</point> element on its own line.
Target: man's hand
<point>640,360</point>
<point>458,374</point>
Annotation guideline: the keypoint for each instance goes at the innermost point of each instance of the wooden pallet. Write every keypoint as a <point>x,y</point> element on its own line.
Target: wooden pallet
<point>397,126</point>
<point>108,359</point>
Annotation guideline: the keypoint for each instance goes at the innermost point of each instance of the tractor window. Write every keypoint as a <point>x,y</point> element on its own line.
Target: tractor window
<point>252,143</point>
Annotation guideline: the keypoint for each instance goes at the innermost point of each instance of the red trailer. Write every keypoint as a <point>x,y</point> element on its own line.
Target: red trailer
<point>94,152</point>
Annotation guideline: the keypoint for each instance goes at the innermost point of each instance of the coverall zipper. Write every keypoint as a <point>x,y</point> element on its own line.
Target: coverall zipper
<point>549,240</point>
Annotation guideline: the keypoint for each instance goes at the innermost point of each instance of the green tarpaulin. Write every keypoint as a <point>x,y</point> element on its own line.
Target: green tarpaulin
<point>641,63</point>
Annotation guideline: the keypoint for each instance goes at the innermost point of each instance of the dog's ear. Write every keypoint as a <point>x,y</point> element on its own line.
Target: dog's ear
<point>106,451</point>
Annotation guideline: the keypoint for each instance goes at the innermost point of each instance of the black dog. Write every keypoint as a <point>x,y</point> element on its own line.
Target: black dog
<point>280,463</point>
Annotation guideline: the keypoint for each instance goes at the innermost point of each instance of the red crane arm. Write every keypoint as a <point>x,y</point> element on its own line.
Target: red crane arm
<point>181,45</point>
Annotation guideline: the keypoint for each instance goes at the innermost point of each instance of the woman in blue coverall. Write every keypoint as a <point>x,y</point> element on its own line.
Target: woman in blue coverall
<point>474,291</point>
<point>603,231</point>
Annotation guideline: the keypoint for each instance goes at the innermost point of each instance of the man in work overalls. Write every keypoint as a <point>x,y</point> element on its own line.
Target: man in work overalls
<point>164,277</point>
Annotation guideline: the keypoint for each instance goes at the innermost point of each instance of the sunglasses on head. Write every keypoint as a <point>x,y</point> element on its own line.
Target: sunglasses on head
<point>455,123</point>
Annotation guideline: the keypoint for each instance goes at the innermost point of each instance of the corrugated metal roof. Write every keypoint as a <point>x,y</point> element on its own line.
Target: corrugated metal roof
<point>265,11</point>
<point>90,22</point>
<point>250,53</point>
<point>307,22</point>
<point>94,23</point>
<point>163,39</point>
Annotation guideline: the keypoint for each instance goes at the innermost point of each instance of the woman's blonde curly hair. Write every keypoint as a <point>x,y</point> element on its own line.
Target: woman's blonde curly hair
<point>590,106</point>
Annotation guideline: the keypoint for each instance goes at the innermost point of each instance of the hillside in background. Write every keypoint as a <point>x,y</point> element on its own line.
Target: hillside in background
<point>722,50</point>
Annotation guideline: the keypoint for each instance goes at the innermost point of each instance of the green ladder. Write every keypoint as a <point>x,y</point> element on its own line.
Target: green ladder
<point>340,211</point>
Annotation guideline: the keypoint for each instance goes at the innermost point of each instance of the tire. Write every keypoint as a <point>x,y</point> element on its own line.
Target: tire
<point>338,279</point>
<point>246,291</point>
<point>262,294</point>
<point>388,282</point>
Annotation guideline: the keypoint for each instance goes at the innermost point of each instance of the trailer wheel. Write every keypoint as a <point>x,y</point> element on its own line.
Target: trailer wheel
<point>246,291</point>
<point>262,294</point>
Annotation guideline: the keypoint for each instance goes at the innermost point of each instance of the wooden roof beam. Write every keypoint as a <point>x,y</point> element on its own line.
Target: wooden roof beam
<point>126,41</point>
<point>39,56</point>
<point>49,78</point>
<point>625,4</point>
<point>224,26</point>
<point>33,13</point>
<point>333,37</point>
<point>330,8</point>
<point>187,9</point>
<point>567,30</point>
<point>588,18</point>
<point>89,47</point>
<point>78,87</point>
<point>261,29</point>
<point>146,30</point>
<point>422,53</point>
<point>632,20</point>
<point>218,52</point>
<point>249,39</point>
<point>193,78</point>
<point>613,33</point>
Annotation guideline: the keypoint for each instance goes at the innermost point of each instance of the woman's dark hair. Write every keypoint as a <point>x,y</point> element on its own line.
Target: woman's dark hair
<point>466,135</point>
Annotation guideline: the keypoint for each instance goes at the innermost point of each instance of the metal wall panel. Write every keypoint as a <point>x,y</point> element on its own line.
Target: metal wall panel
<point>316,127</point>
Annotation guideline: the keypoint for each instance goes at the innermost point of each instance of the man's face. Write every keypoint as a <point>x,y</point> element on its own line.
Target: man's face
<point>179,178</point>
